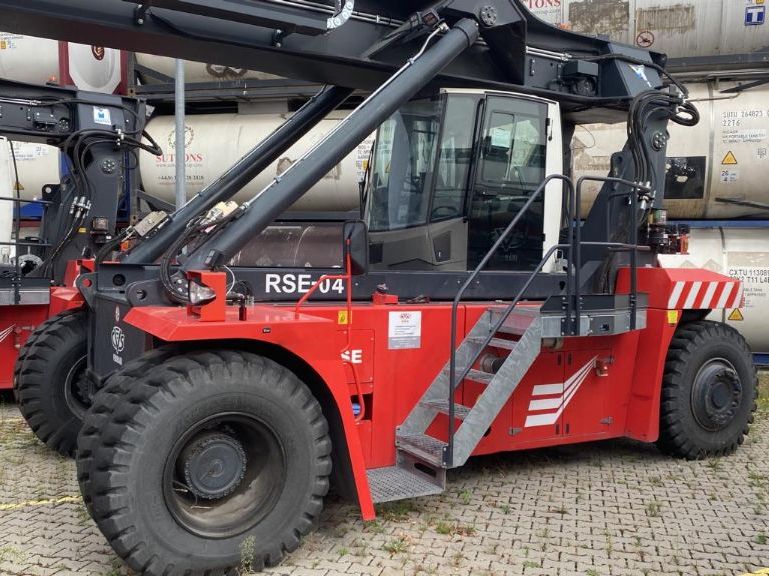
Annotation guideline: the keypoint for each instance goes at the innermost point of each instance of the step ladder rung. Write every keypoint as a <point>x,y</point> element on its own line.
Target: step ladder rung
<point>442,406</point>
<point>497,343</point>
<point>396,483</point>
<point>475,375</point>
<point>516,322</point>
<point>502,343</point>
<point>422,446</point>
<point>479,376</point>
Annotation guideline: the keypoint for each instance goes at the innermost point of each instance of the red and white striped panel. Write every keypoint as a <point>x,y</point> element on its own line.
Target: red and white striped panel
<point>705,295</point>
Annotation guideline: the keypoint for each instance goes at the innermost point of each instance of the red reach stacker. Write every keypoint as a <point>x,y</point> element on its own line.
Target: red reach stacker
<point>246,361</point>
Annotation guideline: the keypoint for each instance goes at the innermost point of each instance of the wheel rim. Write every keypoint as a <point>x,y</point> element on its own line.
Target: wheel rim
<point>716,394</point>
<point>78,391</point>
<point>224,475</point>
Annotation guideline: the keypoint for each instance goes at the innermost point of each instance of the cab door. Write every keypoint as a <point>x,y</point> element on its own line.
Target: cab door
<point>511,164</point>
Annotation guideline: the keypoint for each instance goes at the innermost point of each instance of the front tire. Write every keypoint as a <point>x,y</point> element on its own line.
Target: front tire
<point>204,462</point>
<point>50,383</point>
<point>709,392</point>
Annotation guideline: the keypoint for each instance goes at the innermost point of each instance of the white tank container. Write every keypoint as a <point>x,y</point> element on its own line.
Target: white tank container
<point>39,60</point>
<point>676,27</point>
<point>197,72</point>
<point>740,253</point>
<point>38,165</point>
<point>6,208</point>
<point>215,141</point>
<point>727,154</point>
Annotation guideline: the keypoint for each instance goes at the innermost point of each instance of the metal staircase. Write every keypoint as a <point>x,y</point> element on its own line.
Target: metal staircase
<point>497,353</point>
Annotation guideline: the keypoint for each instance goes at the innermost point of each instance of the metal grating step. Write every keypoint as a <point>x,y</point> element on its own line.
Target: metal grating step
<point>517,322</point>
<point>476,376</point>
<point>480,377</point>
<point>442,406</point>
<point>396,483</point>
<point>423,447</point>
<point>504,344</point>
<point>497,343</point>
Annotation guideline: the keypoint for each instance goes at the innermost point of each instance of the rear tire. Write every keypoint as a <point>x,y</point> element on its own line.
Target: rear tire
<point>50,382</point>
<point>203,462</point>
<point>709,392</point>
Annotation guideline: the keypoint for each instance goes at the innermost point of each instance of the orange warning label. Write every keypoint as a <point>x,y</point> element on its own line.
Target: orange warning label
<point>736,315</point>
<point>729,160</point>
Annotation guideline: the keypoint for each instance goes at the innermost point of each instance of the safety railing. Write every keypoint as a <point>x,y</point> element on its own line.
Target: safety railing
<point>573,250</point>
<point>17,243</point>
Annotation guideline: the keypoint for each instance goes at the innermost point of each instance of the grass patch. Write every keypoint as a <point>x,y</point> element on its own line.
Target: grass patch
<point>396,511</point>
<point>396,546</point>
<point>653,509</point>
<point>453,529</point>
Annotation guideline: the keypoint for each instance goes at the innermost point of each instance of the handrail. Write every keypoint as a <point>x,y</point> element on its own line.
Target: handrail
<point>633,237</point>
<point>457,299</point>
<point>573,280</point>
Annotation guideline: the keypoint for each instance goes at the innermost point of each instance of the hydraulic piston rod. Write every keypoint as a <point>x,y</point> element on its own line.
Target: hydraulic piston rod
<point>289,187</point>
<point>246,169</point>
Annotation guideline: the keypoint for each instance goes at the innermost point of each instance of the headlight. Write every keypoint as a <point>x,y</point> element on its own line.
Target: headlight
<point>200,294</point>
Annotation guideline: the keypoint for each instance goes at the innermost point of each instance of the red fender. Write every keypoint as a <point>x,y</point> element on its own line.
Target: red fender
<point>281,327</point>
<point>671,291</point>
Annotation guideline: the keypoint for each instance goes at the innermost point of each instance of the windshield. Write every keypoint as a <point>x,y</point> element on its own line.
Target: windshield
<point>402,170</point>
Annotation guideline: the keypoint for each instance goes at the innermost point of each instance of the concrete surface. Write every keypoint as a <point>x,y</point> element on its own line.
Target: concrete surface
<point>613,508</point>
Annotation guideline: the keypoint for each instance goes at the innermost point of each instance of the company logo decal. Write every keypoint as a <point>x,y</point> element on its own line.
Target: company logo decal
<point>548,401</point>
<point>98,52</point>
<point>118,339</point>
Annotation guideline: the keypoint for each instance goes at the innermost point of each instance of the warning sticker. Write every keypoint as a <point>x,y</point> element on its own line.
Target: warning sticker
<point>755,283</point>
<point>736,315</point>
<point>342,317</point>
<point>672,317</point>
<point>404,330</point>
<point>729,160</point>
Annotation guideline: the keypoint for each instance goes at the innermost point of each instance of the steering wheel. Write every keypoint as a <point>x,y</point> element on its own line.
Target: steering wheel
<point>450,211</point>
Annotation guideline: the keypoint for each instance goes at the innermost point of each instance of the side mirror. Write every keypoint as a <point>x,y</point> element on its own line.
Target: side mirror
<point>356,232</point>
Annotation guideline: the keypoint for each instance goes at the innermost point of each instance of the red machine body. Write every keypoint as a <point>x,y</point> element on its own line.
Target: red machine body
<point>18,322</point>
<point>578,389</point>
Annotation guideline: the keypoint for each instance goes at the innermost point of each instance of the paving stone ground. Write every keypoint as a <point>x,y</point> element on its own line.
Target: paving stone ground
<point>611,508</point>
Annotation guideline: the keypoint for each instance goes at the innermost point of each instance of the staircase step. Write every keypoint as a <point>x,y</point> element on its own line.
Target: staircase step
<point>497,343</point>
<point>517,321</point>
<point>479,376</point>
<point>423,447</point>
<point>396,483</point>
<point>504,344</point>
<point>442,406</point>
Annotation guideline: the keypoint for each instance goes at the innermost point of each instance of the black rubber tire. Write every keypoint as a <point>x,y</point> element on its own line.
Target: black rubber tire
<point>693,346</point>
<point>40,375</point>
<point>104,403</point>
<point>138,418</point>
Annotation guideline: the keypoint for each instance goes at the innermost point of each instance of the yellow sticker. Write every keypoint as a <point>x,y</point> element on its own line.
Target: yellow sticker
<point>342,317</point>
<point>757,572</point>
<point>673,317</point>
<point>729,160</point>
<point>760,2</point>
<point>82,230</point>
<point>736,315</point>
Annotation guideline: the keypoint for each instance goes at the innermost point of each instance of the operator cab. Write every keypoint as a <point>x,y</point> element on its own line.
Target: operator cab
<point>447,175</point>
